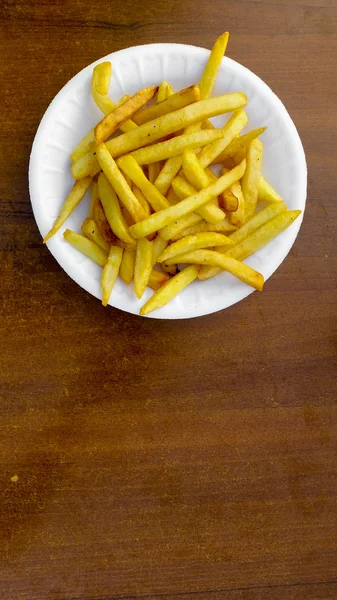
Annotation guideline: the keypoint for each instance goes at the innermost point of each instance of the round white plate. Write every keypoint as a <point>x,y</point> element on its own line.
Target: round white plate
<point>73,113</point>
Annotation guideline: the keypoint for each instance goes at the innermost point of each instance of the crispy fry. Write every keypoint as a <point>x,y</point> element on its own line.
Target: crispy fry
<point>266,192</point>
<point>157,279</point>
<point>110,273</point>
<point>161,94</point>
<point>224,227</point>
<point>181,225</point>
<point>143,266</point>
<point>193,170</point>
<point>167,174</point>
<point>259,238</point>
<point>141,198</point>
<point>251,177</point>
<point>100,85</point>
<point>237,217</point>
<point>87,247</point>
<point>78,192</point>
<point>213,64</point>
<point>119,184</point>
<point>174,146</point>
<point>88,142</point>
<point>129,166</point>
<point>158,246</point>
<point>172,122</point>
<point>86,165</point>
<point>103,224</point>
<point>127,267</point>
<point>173,213</point>
<point>232,128</point>
<point>209,212</point>
<point>170,289</point>
<point>194,242</point>
<point>113,211</point>
<point>230,201</point>
<point>239,143</point>
<point>108,125</point>
<point>226,263</point>
<point>172,103</point>
<point>91,231</point>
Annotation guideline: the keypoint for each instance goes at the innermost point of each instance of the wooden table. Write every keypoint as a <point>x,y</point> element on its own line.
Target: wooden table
<point>181,460</point>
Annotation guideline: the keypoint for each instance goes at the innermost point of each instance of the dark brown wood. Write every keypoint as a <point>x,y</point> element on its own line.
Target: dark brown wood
<point>182,460</point>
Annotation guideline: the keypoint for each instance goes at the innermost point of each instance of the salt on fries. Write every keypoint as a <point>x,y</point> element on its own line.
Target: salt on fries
<point>155,202</point>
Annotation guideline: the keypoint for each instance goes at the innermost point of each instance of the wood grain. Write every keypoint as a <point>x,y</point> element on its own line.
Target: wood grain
<point>143,459</point>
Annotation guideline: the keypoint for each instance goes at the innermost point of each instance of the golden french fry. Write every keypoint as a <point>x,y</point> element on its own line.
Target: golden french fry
<point>141,198</point>
<point>172,103</point>
<point>143,266</point>
<point>162,126</point>
<point>103,224</point>
<point>130,166</point>
<point>213,64</point>
<point>224,227</point>
<point>87,247</point>
<point>158,246</point>
<point>167,174</point>
<point>183,189</point>
<point>170,289</point>
<point>230,201</point>
<point>266,192</point>
<point>193,170</point>
<point>161,94</point>
<point>251,177</point>
<point>181,225</point>
<point>119,184</point>
<point>127,267</point>
<point>88,142</point>
<point>110,273</point>
<point>78,192</point>
<point>99,89</point>
<point>85,165</point>
<point>173,213</point>
<point>241,142</point>
<point>92,232</point>
<point>157,279</point>
<point>225,262</point>
<point>232,128</point>
<point>174,146</point>
<point>258,223</point>
<point>194,242</point>
<point>113,211</point>
<point>108,125</point>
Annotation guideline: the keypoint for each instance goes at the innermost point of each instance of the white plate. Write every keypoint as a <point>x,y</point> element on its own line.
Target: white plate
<point>72,113</point>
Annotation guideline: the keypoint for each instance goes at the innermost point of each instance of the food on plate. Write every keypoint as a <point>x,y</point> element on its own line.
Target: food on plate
<point>169,188</point>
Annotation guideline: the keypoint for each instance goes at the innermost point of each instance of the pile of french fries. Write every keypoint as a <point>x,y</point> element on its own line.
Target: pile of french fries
<point>156,204</point>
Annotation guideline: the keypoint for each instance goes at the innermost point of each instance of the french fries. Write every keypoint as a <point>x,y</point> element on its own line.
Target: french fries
<point>194,242</point>
<point>91,231</point>
<point>127,267</point>
<point>78,192</point>
<point>259,238</point>
<point>113,211</point>
<point>110,272</point>
<point>170,289</point>
<point>175,146</point>
<point>251,177</point>
<point>143,266</point>
<point>155,202</point>
<point>164,217</point>
<point>241,271</point>
<point>172,103</point>
<point>119,184</point>
<point>108,125</point>
<point>162,126</point>
<point>87,247</point>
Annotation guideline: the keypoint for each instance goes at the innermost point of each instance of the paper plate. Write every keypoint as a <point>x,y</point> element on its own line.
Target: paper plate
<point>73,113</point>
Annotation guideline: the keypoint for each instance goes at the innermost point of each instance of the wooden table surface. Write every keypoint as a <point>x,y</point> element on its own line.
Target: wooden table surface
<point>181,460</point>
